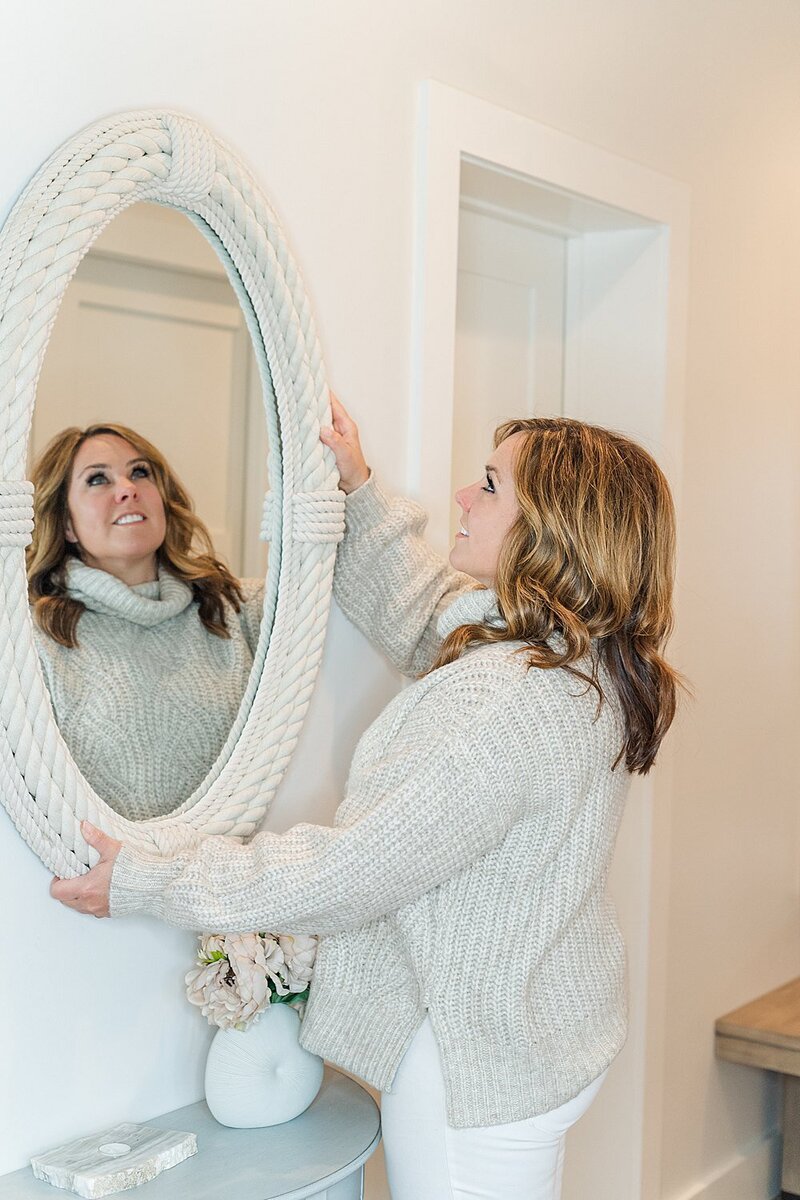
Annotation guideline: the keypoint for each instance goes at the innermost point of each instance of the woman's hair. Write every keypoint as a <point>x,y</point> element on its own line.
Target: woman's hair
<point>186,552</point>
<point>589,563</point>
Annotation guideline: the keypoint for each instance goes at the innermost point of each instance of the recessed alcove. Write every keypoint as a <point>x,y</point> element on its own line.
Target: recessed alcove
<point>559,309</point>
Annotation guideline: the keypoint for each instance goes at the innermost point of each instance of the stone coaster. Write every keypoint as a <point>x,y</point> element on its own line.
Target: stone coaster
<point>113,1160</point>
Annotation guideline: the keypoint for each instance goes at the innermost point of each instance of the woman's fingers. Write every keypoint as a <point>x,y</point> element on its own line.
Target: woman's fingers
<point>107,847</point>
<point>342,438</point>
<point>341,417</point>
<point>89,893</point>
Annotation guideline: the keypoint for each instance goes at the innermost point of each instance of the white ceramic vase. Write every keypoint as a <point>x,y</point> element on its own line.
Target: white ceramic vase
<point>261,1075</point>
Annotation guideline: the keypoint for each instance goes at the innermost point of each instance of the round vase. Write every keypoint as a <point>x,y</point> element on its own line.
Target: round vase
<point>261,1075</point>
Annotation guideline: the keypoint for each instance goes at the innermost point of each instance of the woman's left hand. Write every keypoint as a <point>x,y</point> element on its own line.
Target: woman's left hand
<point>89,893</point>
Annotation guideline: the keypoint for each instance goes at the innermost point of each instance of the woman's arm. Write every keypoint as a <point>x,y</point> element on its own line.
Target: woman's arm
<point>442,795</point>
<point>388,581</point>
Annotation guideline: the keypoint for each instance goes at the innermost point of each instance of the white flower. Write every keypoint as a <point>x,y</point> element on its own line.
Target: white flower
<point>231,989</point>
<point>238,973</point>
<point>209,987</point>
<point>274,965</point>
<point>299,950</point>
<point>245,953</point>
<point>211,945</point>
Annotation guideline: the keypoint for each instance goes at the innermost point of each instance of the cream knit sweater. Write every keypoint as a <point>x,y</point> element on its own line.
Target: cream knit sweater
<point>146,700</point>
<point>465,873</point>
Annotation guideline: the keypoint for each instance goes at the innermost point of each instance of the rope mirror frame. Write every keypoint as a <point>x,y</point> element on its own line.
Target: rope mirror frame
<point>172,160</point>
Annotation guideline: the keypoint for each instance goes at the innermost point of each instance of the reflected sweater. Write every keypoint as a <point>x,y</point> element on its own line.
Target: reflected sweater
<point>465,873</point>
<point>147,698</point>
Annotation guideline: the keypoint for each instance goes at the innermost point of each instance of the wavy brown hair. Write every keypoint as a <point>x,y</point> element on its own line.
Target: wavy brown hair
<point>587,570</point>
<point>186,552</point>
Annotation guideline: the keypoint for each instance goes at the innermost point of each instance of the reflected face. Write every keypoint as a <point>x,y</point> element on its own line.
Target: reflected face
<point>116,514</point>
<point>488,510</point>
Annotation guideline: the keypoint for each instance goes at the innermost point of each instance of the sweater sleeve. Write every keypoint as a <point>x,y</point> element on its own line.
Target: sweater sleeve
<point>389,582</point>
<point>435,802</point>
<point>252,610</point>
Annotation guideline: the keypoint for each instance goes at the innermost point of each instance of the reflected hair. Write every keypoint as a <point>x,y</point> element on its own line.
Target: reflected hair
<point>585,573</point>
<point>187,551</point>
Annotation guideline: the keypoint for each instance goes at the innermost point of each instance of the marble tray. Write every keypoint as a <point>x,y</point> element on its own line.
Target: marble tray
<point>114,1159</point>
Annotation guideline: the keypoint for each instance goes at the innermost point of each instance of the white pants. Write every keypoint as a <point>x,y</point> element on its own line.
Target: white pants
<point>426,1159</point>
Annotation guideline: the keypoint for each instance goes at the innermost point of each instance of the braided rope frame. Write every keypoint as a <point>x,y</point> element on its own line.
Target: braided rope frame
<point>172,160</point>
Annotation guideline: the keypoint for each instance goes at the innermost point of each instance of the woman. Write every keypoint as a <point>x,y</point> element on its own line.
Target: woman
<point>146,640</point>
<point>471,966</point>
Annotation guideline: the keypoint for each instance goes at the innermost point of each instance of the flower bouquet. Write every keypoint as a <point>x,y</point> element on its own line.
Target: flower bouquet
<point>239,974</point>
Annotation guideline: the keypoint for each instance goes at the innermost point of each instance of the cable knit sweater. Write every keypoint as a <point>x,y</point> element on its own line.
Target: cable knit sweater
<point>465,872</point>
<point>146,700</point>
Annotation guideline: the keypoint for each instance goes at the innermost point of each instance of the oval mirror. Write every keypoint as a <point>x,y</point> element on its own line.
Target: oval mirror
<point>185,311</point>
<point>150,337</point>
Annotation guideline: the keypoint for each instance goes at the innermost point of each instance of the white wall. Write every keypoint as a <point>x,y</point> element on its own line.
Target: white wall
<point>319,97</point>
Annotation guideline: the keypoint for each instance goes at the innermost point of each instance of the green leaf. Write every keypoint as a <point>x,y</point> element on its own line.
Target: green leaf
<point>291,998</point>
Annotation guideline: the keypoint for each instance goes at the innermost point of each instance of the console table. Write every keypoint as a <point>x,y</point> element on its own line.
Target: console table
<point>321,1153</point>
<point>766,1033</point>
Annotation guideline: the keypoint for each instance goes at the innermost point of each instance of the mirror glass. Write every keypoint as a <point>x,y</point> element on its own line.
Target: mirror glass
<point>150,336</point>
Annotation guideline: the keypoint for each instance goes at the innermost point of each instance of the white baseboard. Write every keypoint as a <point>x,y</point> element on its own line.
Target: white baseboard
<point>753,1176</point>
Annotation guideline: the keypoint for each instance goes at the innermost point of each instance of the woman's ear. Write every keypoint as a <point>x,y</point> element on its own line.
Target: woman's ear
<point>69,532</point>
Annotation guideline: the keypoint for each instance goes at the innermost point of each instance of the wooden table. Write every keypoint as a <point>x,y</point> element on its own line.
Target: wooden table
<point>320,1153</point>
<point>766,1033</point>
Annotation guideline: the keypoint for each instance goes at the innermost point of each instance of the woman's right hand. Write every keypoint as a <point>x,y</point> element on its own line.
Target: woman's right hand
<point>342,439</point>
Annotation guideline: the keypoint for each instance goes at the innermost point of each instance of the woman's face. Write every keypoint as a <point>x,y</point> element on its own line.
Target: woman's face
<point>116,514</point>
<point>488,510</point>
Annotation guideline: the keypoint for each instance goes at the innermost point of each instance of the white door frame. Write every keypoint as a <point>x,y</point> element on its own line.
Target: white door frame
<point>453,124</point>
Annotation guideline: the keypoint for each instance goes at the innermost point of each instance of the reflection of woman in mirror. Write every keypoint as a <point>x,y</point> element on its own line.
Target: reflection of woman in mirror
<point>145,638</point>
<point>471,966</point>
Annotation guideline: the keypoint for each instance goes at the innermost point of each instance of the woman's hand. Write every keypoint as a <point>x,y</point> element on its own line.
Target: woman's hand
<point>89,893</point>
<point>342,439</point>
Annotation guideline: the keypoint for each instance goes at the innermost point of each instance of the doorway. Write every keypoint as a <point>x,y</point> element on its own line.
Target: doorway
<point>551,276</point>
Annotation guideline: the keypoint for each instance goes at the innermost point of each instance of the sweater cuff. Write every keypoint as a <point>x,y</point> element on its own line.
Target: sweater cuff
<point>138,882</point>
<point>367,506</point>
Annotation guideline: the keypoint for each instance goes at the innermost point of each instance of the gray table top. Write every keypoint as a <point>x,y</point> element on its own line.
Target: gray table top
<point>326,1143</point>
